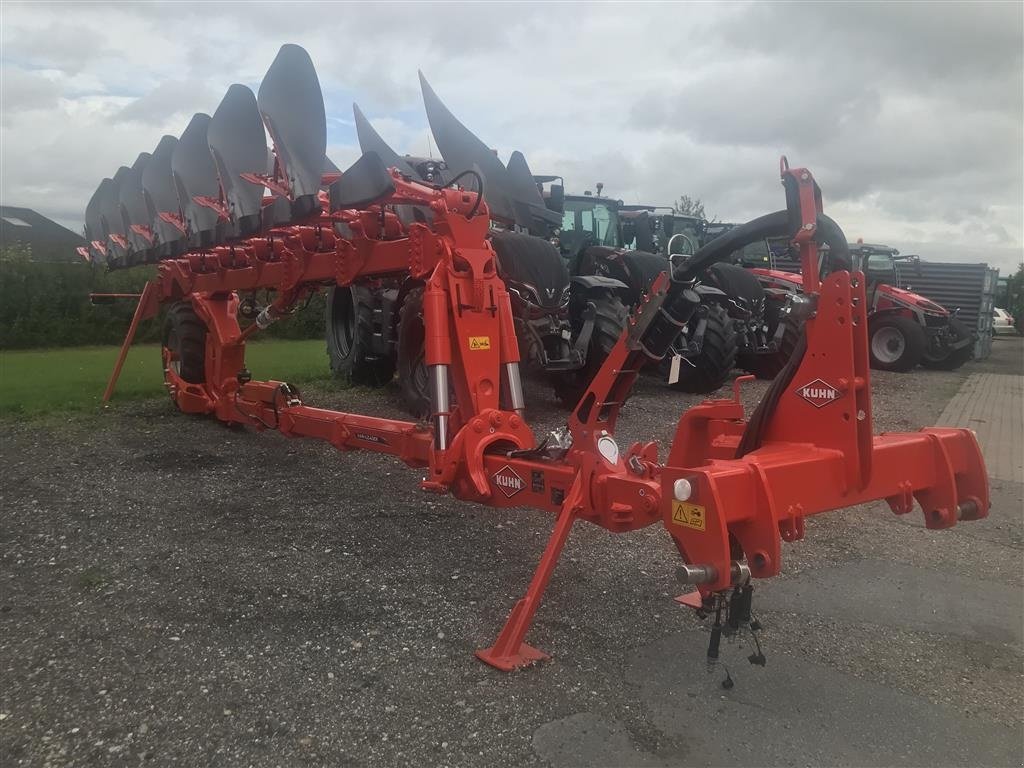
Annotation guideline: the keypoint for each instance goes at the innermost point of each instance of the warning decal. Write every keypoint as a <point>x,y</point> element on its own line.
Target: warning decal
<point>479,342</point>
<point>689,515</point>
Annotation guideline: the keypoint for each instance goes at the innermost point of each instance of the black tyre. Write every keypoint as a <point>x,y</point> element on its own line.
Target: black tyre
<point>717,357</point>
<point>413,377</point>
<point>609,320</point>
<point>768,366</point>
<point>946,359</point>
<point>349,329</point>
<point>895,343</point>
<point>184,343</point>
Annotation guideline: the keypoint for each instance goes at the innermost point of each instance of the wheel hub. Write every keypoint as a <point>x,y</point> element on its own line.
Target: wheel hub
<point>888,345</point>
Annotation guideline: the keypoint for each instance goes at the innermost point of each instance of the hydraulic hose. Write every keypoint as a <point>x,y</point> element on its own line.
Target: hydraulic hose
<point>828,233</point>
<point>681,301</point>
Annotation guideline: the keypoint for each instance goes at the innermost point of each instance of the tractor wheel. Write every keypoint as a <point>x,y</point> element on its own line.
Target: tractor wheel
<point>184,343</point>
<point>413,377</point>
<point>950,360</point>
<point>768,366</point>
<point>609,320</point>
<point>349,330</point>
<point>895,343</point>
<point>716,359</point>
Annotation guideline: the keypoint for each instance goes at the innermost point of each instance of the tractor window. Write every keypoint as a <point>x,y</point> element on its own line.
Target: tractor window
<point>602,223</point>
<point>587,218</point>
<point>879,267</point>
<point>568,221</point>
<point>593,221</point>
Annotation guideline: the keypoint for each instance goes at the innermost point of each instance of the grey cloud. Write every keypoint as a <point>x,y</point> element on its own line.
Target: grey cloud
<point>24,91</point>
<point>170,98</point>
<point>909,114</point>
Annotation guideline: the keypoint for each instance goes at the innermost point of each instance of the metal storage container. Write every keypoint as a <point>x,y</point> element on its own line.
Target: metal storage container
<point>969,287</point>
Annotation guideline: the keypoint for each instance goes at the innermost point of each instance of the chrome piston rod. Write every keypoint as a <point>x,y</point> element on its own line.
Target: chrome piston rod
<point>515,387</point>
<point>739,573</point>
<point>441,405</point>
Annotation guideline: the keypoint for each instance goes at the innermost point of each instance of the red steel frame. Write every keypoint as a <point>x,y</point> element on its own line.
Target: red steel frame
<point>818,452</point>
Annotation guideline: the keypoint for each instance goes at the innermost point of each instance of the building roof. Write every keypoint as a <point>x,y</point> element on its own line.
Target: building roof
<point>46,239</point>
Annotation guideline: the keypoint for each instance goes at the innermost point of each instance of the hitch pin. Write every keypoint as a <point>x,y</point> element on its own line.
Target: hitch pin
<point>739,573</point>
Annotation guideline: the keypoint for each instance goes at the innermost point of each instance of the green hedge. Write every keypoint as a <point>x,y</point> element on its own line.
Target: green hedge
<point>47,305</point>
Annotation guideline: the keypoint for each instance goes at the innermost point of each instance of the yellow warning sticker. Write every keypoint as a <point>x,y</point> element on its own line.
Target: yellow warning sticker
<point>689,515</point>
<point>479,342</point>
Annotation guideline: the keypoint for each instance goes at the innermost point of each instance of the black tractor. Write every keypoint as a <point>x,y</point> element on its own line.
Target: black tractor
<point>565,326</point>
<point>633,245</point>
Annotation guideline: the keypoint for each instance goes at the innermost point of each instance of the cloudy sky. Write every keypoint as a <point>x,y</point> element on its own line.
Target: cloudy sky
<point>910,115</point>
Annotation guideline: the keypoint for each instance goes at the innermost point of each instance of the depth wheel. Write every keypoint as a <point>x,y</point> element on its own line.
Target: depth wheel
<point>349,329</point>
<point>413,377</point>
<point>184,345</point>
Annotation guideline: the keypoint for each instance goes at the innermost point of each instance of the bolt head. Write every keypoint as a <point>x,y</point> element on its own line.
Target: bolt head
<point>682,489</point>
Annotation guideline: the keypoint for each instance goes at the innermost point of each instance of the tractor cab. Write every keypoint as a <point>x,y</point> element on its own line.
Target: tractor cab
<point>659,229</point>
<point>589,220</point>
<point>883,268</point>
<point>591,224</point>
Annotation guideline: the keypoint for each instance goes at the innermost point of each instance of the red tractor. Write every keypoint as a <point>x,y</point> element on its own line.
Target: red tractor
<point>904,328</point>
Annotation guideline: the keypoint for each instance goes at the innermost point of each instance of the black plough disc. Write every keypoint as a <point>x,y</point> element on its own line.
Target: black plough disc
<point>463,151</point>
<point>292,106</point>
<point>527,198</point>
<point>195,175</point>
<point>371,141</point>
<point>238,145</point>
<point>161,196</point>
<point>134,209</point>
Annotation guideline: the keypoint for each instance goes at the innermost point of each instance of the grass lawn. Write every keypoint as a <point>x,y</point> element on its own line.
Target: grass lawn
<point>43,381</point>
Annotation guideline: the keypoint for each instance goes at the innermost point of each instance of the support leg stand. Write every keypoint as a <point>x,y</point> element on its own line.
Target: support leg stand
<point>509,651</point>
<point>147,307</point>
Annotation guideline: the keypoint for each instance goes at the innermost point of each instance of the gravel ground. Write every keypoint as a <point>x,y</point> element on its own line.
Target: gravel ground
<point>177,592</point>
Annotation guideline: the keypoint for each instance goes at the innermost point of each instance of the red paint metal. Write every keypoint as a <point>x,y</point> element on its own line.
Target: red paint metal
<point>818,451</point>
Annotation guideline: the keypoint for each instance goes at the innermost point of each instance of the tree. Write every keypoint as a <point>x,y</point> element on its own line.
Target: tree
<point>1013,301</point>
<point>688,206</point>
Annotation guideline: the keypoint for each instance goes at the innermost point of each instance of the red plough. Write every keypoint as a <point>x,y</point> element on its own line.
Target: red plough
<point>729,490</point>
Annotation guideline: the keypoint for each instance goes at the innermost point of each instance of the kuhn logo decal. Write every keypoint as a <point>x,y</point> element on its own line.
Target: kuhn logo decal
<point>508,481</point>
<point>818,393</point>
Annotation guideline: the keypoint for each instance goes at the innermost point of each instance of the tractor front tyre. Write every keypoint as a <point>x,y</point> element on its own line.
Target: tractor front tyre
<point>896,343</point>
<point>610,317</point>
<point>348,324</point>
<point>184,344</point>
<point>768,366</point>
<point>946,359</point>
<point>413,377</point>
<point>717,357</point>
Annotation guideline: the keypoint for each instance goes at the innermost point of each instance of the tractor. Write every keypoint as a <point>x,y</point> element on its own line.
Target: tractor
<point>905,328</point>
<point>635,244</point>
<point>565,326</point>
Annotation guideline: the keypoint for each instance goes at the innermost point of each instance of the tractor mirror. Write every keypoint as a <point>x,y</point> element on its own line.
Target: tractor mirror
<point>628,233</point>
<point>555,200</point>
